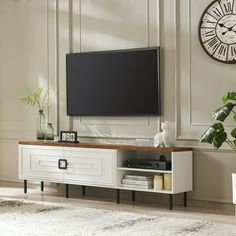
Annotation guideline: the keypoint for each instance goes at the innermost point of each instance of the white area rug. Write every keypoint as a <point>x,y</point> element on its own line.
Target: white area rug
<point>28,218</point>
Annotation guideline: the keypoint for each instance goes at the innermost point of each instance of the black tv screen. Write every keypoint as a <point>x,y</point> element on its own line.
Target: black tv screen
<point>113,83</point>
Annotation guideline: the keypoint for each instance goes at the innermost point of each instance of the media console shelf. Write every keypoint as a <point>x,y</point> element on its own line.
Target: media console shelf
<point>101,165</point>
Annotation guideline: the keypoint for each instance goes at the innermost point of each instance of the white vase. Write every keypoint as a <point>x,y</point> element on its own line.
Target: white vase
<point>234,187</point>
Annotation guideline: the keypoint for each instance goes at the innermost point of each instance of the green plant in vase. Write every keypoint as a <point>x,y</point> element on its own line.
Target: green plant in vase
<point>39,98</point>
<point>216,133</point>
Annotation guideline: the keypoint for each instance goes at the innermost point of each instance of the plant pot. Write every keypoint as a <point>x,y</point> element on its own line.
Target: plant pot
<point>234,187</point>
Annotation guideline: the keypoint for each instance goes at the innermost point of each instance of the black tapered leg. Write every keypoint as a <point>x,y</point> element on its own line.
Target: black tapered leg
<point>118,196</point>
<point>83,190</point>
<point>185,199</point>
<point>133,196</point>
<point>67,190</point>
<point>42,186</point>
<point>25,186</point>
<point>170,201</point>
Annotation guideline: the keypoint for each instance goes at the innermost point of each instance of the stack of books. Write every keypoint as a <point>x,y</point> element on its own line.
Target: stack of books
<point>137,181</point>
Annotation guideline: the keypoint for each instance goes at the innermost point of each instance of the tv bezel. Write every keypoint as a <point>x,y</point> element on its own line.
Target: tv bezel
<point>118,51</point>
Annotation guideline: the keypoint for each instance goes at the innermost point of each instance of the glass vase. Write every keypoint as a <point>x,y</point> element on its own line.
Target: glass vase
<point>49,132</point>
<point>41,125</point>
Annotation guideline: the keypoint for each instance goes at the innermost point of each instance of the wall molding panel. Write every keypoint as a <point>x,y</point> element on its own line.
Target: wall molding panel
<point>52,61</point>
<point>28,56</point>
<point>93,20</point>
<point>192,118</point>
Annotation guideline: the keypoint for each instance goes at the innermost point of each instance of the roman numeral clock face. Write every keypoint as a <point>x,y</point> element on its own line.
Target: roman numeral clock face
<point>217,30</point>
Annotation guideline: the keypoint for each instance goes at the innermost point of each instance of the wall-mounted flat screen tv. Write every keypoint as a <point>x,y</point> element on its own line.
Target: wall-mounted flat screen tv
<point>114,83</point>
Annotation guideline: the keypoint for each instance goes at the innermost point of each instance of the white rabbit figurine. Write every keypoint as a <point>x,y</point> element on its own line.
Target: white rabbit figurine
<point>162,138</point>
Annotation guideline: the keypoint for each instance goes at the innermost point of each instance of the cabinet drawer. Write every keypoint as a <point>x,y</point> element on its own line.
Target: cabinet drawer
<point>90,166</point>
<point>40,164</point>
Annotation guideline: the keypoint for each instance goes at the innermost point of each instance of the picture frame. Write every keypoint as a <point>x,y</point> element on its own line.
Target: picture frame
<point>68,137</point>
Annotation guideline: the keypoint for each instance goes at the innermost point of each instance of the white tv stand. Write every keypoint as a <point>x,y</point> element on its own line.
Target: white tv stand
<point>100,165</point>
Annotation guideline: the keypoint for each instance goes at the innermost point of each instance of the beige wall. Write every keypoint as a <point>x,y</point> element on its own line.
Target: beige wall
<point>35,35</point>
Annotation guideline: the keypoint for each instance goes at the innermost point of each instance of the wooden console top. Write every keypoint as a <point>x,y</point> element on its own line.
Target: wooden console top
<point>106,146</point>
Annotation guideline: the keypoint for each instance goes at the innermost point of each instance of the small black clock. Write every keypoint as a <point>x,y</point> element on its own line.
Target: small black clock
<point>68,137</point>
<point>217,30</point>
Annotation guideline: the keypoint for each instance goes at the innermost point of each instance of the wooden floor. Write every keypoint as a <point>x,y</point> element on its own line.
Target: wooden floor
<point>213,212</point>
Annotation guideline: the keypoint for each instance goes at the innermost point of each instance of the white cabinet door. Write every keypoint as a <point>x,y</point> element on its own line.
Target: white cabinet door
<point>93,167</point>
<point>40,163</point>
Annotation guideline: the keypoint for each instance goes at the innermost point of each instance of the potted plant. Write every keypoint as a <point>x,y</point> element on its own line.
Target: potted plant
<point>38,98</point>
<point>216,133</point>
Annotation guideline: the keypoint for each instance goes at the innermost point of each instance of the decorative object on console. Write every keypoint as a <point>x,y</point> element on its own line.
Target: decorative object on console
<point>167,181</point>
<point>38,98</point>
<point>68,137</point>
<point>162,138</point>
<point>217,31</point>
<point>148,164</point>
<point>49,132</point>
<point>140,182</point>
<point>41,126</point>
<point>158,182</point>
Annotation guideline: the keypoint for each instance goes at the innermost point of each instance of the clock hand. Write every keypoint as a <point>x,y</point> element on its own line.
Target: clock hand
<point>223,33</point>
<point>222,25</point>
<point>229,28</point>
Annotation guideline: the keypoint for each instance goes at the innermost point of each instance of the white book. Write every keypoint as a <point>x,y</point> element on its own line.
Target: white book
<point>137,186</point>
<point>138,177</point>
<point>137,182</point>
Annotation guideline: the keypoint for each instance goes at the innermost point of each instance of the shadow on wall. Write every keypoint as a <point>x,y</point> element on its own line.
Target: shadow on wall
<point>213,175</point>
<point>109,25</point>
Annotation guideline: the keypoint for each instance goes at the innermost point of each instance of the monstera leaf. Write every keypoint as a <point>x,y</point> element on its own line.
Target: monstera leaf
<point>229,96</point>
<point>233,133</point>
<point>215,135</point>
<point>219,139</point>
<point>222,112</point>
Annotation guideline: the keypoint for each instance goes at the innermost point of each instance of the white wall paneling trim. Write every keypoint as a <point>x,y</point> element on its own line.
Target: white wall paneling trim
<point>177,92</point>
<point>148,22</point>
<point>183,66</point>
<point>200,81</point>
<point>111,129</point>
<point>75,35</point>
<point>158,22</point>
<point>153,23</point>
<point>52,61</point>
<point>71,45</point>
<point>64,45</point>
<point>76,26</point>
<point>112,20</point>
<point>140,121</point>
<point>21,66</point>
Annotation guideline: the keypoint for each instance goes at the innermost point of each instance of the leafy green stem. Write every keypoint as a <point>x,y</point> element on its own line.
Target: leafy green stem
<point>35,98</point>
<point>37,101</point>
<point>231,144</point>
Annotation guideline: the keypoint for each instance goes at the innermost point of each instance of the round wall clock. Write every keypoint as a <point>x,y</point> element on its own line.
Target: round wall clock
<point>217,30</point>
